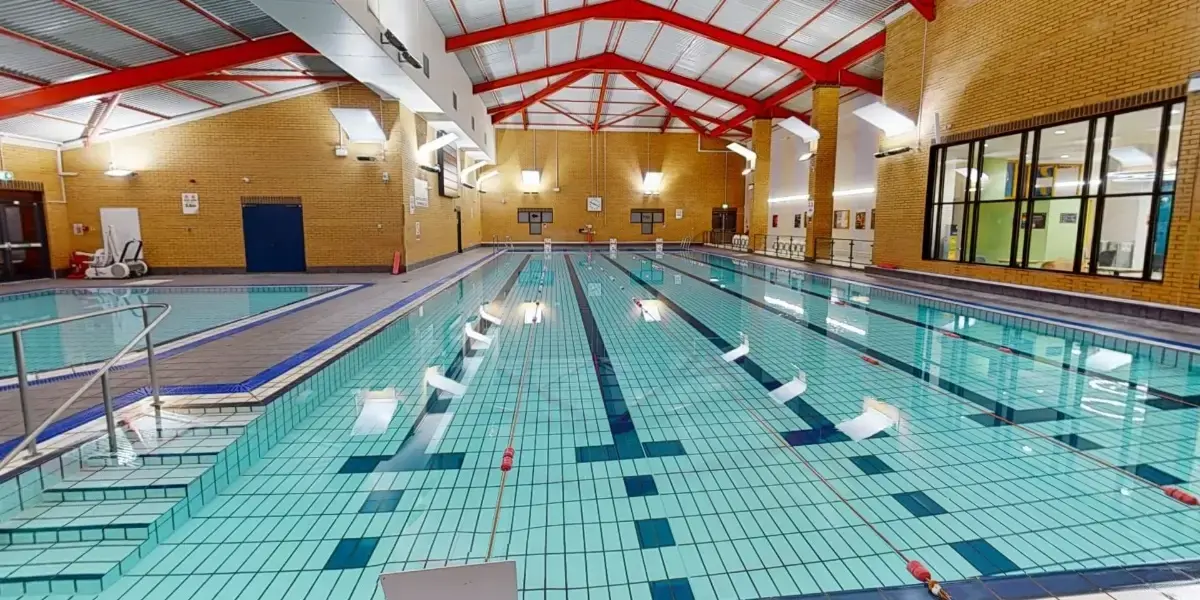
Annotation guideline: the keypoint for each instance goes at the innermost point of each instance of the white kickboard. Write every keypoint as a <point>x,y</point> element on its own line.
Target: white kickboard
<point>483,340</point>
<point>490,318</point>
<point>791,389</point>
<point>480,581</point>
<point>533,314</point>
<point>742,350</point>
<point>650,313</point>
<point>376,411</point>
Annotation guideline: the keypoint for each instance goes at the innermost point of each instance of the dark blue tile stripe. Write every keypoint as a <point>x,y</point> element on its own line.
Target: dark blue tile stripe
<point>1153,474</point>
<point>352,553</point>
<point>1166,400</point>
<point>871,464</point>
<point>962,392</point>
<point>984,557</point>
<point>919,504</point>
<point>414,458</point>
<point>626,443</point>
<point>671,589</point>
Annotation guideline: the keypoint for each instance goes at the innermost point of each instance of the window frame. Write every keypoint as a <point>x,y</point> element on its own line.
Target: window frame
<point>657,217</point>
<point>544,216</point>
<point>1024,201</point>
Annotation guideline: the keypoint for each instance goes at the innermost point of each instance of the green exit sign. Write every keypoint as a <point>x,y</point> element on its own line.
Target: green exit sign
<point>6,175</point>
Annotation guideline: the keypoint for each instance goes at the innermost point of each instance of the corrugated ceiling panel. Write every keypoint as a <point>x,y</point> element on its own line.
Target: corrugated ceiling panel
<point>852,41</point>
<point>281,86</point>
<point>480,15</point>
<point>871,67</point>
<point>56,24</point>
<point>728,67</point>
<point>784,19</point>
<point>562,43</point>
<point>471,65</point>
<point>509,95</point>
<point>317,64</point>
<point>25,58</point>
<point>41,127</point>
<point>443,13</point>
<point>697,9</point>
<point>668,45</point>
<point>511,120</point>
<point>531,51</point>
<point>162,101</point>
<point>717,107</point>
<point>574,94</point>
<point>691,100</point>
<point>522,10</point>
<point>595,37</point>
<point>628,96</point>
<point>497,59</point>
<point>167,21</point>
<point>778,85</point>
<point>635,39</point>
<point>122,118</point>
<point>12,86</point>
<point>561,5</point>
<point>222,92</point>
<point>762,75</point>
<point>592,80</point>
<point>273,64</point>
<point>737,15</point>
<point>641,121</point>
<point>534,87</point>
<point>801,103</point>
<point>697,56</point>
<point>243,16</point>
<point>79,112</point>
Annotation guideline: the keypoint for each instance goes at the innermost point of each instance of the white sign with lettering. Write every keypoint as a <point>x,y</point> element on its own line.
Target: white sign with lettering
<point>191,203</point>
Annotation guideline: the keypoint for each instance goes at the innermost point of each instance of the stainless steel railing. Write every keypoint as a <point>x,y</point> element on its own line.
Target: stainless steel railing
<point>101,374</point>
<point>508,243</point>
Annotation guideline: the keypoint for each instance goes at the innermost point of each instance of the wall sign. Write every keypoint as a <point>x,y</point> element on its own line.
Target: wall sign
<point>1068,218</point>
<point>191,203</point>
<point>420,198</point>
<point>679,213</point>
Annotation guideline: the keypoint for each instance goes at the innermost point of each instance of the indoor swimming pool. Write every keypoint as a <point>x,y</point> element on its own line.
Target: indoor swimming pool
<point>689,426</point>
<point>194,309</point>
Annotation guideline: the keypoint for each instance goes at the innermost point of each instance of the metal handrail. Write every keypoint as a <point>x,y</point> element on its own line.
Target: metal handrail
<point>508,243</point>
<point>831,259</point>
<point>30,439</point>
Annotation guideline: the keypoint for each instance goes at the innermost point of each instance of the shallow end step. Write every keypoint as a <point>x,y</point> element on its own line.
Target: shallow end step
<point>66,567</point>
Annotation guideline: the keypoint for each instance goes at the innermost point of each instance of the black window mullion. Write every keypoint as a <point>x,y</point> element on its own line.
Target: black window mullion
<point>1084,193</point>
<point>1012,249</point>
<point>937,223</point>
<point>1152,226</point>
<point>965,231</point>
<point>976,202</point>
<point>1030,186</point>
<point>1099,221</point>
<point>930,201</point>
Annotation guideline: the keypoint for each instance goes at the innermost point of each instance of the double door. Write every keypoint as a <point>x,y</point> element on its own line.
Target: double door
<point>24,253</point>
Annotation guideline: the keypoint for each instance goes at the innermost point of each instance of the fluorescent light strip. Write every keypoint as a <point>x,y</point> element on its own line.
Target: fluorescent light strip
<point>745,152</point>
<point>836,194</point>
<point>359,124</point>
<point>437,143</point>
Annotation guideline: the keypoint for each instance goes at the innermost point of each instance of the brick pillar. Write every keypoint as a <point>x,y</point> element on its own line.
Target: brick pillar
<point>822,167</point>
<point>760,211</point>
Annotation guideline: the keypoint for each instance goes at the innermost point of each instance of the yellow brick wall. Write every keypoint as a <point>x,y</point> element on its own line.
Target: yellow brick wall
<point>991,63</point>
<point>352,218</point>
<point>610,165</point>
<point>40,165</point>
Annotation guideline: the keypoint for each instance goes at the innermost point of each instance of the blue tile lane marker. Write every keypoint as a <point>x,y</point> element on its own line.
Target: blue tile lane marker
<point>919,504</point>
<point>984,557</point>
<point>352,553</point>
<point>412,456</point>
<point>654,533</point>
<point>381,501</point>
<point>1017,416</point>
<point>1165,401</point>
<point>640,485</point>
<point>1154,475</point>
<point>871,464</point>
<point>626,443</point>
<point>671,589</point>
<point>822,430</point>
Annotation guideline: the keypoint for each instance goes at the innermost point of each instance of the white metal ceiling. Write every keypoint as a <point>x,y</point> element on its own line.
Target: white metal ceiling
<point>819,28</point>
<point>43,42</point>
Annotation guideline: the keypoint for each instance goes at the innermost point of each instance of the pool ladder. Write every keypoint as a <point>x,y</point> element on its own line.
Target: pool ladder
<point>30,440</point>
<point>686,243</point>
<point>507,244</point>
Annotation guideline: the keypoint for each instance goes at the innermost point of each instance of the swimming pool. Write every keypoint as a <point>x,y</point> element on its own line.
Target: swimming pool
<point>194,309</point>
<point>648,467</point>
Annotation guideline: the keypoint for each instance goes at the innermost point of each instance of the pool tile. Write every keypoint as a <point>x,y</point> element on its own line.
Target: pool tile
<point>919,504</point>
<point>984,557</point>
<point>381,501</point>
<point>870,464</point>
<point>351,553</point>
<point>671,589</point>
<point>654,533</point>
<point>640,485</point>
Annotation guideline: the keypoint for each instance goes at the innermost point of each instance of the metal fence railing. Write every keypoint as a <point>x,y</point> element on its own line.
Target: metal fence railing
<point>844,252</point>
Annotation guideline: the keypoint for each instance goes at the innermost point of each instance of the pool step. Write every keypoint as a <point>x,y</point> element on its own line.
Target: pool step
<point>90,521</point>
<point>67,567</point>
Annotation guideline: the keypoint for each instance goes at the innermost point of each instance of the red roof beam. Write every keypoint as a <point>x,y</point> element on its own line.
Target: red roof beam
<point>215,19</point>
<point>600,102</point>
<point>499,113</point>
<point>788,92</point>
<point>157,73</point>
<point>671,108</point>
<point>927,8</point>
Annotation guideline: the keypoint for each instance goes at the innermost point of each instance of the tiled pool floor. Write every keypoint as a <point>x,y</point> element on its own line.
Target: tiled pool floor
<point>648,467</point>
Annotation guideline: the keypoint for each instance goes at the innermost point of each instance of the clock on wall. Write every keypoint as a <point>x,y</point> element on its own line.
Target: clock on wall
<point>595,204</point>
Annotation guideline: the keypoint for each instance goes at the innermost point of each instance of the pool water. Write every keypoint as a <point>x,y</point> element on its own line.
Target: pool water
<point>648,467</point>
<point>192,310</point>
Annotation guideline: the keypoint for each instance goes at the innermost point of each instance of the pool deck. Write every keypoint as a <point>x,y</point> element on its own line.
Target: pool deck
<point>239,356</point>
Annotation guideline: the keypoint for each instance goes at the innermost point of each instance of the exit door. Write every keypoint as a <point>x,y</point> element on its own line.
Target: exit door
<point>24,253</point>
<point>724,225</point>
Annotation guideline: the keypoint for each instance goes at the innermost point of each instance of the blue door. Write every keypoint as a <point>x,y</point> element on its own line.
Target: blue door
<point>274,235</point>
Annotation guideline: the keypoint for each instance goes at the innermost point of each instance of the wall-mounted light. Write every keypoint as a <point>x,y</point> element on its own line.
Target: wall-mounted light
<point>531,178</point>
<point>743,151</point>
<point>475,167</point>
<point>437,143</point>
<point>890,121</point>
<point>359,124</point>
<point>747,171</point>
<point>806,156</point>
<point>115,171</point>
<point>486,176</point>
<point>801,129</point>
<point>652,182</point>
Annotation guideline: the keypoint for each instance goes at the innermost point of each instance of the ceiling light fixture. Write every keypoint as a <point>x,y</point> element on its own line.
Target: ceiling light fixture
<point>747,171</point>
<point>801,129</point>
<point>115,171</point>
<point>1060,131</point>
<point>486,176</point>
<point>743,151</point>
<point>806,156</point>
<point>531,178</point>
<point>652,182</point>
